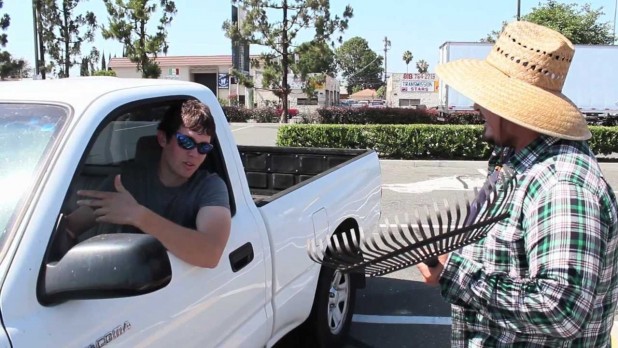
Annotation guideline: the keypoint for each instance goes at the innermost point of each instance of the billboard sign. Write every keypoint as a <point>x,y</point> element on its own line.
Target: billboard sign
<point>419,82</point>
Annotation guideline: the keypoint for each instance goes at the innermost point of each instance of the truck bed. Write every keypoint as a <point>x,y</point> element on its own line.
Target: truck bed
<point>273,171</point>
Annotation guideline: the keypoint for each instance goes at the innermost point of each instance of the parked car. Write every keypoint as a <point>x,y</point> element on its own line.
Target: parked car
<point>360,104</point>
<point>346,102</point>
<point>380,104</point>
<point>59,136</point>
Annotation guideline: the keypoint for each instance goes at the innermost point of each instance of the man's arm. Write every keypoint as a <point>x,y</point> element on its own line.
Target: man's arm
<point>201,247</point>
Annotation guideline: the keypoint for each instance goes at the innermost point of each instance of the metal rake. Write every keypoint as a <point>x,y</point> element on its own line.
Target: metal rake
<point>402,245</point>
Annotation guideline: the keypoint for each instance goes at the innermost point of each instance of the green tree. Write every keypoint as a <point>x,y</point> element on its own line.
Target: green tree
<point>8,66</point>
<point>103,65</point>
<point>64,31</point>
<point>315,57</point>
<point>5,21</point>
<point>93,60</point>
<point>128,22</point>
<point>407,58</point>
<point>381,92</point>
<point>83,67</point>
<point>359,65</point>
<point>104,73</point>
<point>314,61</point>
<point>422,66</point>
<point>579,23</point>
<point>278,35</point>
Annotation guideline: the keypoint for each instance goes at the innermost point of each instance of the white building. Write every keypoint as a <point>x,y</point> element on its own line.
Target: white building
<point>213,72</point>
<point>412,90</point>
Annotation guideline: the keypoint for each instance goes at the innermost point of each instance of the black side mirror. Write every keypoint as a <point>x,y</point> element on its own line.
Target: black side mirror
<point>106,266</point>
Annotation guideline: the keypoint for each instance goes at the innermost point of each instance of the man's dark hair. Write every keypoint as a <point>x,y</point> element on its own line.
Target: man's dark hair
<point>192,114</point>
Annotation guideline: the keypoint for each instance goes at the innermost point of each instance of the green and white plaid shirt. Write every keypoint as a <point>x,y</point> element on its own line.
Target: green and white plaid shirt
<point>547,276</point>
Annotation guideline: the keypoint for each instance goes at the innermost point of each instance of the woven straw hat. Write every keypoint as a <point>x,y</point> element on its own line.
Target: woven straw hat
<point>521,80</point>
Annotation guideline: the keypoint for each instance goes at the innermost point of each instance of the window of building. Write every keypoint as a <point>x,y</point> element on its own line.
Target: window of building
<point>306,101</point>
<point>409,102</point>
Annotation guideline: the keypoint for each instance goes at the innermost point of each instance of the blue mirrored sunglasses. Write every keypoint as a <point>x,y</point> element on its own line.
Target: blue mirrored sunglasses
<point>188,143</point>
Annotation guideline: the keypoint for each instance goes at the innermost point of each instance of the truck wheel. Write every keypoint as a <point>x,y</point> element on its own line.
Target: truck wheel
<point>333,308</point>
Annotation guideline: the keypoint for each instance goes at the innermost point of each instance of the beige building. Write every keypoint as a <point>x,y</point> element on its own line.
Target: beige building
<point>213,72</point>
<point>412,89</point>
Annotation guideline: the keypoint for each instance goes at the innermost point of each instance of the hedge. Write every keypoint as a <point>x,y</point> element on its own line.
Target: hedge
<point>261,115</point>
<point>346,115</point>
<point>419,141</point>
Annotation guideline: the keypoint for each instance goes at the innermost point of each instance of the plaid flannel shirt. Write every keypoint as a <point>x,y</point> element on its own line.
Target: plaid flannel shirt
<point>546,276</point>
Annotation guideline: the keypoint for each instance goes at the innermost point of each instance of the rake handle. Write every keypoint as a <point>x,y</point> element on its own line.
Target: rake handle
<point>431,262</point>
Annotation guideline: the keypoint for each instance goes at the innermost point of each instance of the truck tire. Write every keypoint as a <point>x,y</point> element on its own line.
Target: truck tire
<point>333,307</point>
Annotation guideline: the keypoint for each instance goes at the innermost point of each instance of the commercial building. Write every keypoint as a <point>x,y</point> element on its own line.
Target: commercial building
<point>214,73</point>
<point>211,71</point>
<point>412,90</point>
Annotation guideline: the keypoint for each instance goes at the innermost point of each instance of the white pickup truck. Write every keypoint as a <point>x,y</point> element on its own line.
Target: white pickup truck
<point>58,136</point>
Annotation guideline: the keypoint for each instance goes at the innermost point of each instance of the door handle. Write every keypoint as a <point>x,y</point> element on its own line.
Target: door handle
<point>241,257</point>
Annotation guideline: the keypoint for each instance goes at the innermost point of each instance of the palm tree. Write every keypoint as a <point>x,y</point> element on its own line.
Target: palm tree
<point>422,66</point>
<point>407,57</point>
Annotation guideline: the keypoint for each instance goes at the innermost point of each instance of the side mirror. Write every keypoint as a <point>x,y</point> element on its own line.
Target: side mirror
<point>106,266</point>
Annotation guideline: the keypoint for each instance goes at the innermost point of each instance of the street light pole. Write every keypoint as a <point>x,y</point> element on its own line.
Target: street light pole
<point>518,9</point>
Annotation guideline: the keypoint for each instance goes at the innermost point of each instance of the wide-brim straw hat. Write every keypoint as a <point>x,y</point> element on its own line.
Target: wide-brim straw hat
<point>521,80</point>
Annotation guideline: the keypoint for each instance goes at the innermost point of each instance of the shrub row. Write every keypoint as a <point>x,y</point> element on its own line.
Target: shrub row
<point>454,142</point>
<point>392,141</point>
<point>346,115</point>
<point>261,115</point>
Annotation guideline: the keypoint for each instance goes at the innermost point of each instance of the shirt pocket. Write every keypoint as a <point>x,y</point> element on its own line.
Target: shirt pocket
<point>505,250</point>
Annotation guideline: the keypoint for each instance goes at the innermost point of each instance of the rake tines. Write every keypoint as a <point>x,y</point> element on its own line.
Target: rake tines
<point>402,245</point>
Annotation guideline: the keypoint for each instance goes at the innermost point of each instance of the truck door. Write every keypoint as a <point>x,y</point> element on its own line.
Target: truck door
<point>193,307</point>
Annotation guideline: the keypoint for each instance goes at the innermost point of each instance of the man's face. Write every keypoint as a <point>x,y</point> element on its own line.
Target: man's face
<point>178,161</point>
<point>492,130</point>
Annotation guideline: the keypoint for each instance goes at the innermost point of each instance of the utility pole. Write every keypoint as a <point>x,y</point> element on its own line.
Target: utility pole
<point>387,45</point>
<point>518,9</point>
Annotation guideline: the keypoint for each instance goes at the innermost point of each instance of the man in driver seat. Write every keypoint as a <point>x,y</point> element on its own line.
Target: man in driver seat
<point>185,208</point>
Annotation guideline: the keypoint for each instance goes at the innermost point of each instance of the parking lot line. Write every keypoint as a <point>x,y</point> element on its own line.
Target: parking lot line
<point>400,319</point>
<point>241,128</point>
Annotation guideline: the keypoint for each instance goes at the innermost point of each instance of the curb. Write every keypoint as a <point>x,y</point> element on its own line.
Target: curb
<point>461,164</point>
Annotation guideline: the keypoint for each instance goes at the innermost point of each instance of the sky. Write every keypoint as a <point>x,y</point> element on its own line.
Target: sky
<point>414,25</point>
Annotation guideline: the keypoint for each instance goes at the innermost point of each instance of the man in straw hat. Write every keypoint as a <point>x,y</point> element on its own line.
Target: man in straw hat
<point>547,276</point>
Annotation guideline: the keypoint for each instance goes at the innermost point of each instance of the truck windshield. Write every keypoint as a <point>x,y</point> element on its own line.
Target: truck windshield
<point>27,133</point>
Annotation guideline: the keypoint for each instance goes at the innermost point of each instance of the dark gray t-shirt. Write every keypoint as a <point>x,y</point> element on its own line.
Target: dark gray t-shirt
<point>178,204</point>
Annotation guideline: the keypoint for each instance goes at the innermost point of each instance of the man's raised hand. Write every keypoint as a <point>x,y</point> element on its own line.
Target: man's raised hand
<point>113,207</point>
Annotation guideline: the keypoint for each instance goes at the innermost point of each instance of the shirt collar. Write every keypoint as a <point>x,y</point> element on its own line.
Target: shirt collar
<point>524,158</point>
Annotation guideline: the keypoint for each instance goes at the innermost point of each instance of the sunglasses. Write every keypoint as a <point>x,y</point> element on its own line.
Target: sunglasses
<point>188,143</point>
